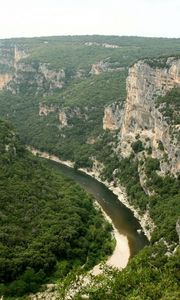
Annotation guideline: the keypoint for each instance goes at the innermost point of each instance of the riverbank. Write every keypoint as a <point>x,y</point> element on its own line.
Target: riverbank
<point>121,254</point>
<point>145,220</point>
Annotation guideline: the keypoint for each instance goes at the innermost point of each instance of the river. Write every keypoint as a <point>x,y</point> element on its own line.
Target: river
<point>127,228</point>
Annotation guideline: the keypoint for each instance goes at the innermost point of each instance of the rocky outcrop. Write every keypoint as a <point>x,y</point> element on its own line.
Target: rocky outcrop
<point>18,73</point>
<point>105,45</point>
<point>112,117</point>
<point>99,68</point>
<point>50,293</point>
<point>79,74</point>
<point>143,120</point>
<point>105,66</point>
<point>4,80</point>
<point>19,54</point>
<point>63,119</point>
<point>64,114</point>
<point>55,78</point>
<point>44,109</point>
<point>178,228</point>
<point>9,59</point>
<point>36,76</point>
<point>91,140</point>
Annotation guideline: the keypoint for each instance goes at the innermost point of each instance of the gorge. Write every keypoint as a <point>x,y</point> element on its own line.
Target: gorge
<point>124,223</point>
<point>115,115</point>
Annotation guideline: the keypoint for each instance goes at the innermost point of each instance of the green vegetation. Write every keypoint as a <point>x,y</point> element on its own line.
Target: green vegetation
<point>137,146</point>
<point>129,176</point>
<point>89,96</point>
<point>4,68</point>
<point>169,105</point>
<point>151,165</point>
<point>154,273</point>
<point>71,52</point>
<point>151,275</point>
<point>48,224</point>
<point>160,145</point>
<point>166,192</point>
<point>46,219</point>
<point>82,90</point>
<point>159,62</point>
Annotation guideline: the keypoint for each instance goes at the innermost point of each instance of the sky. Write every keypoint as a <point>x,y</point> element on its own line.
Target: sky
<point>28,18</point>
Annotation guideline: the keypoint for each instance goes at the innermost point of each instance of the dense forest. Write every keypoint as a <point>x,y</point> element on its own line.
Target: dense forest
<point>48,223</point>
<point>151,275</point>
<point>56,97</point>
<point>79,91</point>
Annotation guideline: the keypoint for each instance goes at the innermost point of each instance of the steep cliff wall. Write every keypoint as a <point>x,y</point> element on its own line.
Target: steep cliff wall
<point>112,117</point>
<point>18,74</point>
<point>143,121</point>
<point>36,77</point>
<point>19,54</point>
<point>9,59</point>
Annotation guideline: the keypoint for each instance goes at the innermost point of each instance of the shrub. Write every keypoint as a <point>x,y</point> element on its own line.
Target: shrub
<point>137,146</point>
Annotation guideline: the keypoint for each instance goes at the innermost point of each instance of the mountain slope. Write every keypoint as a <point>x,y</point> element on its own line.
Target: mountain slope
<point>60,86</point>
<point>145,152</point>
<point>67,95</point>
<point>140,150</point>
<point>47,221</point>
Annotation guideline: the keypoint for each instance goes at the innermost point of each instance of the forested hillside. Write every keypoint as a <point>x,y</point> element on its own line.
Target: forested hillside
<point>151,275</point>
<point>55,89</point>
<point>70,96</point>
<point>48,223</point>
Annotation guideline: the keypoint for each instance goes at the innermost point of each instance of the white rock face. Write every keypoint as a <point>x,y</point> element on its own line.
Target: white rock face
<point>142,119</point>
<point>112,117</point>
<point>4,80</point>
<point>18,55</point>
<point>10,60</point>
<point>50,293</point>
<point>105,66</point>
<point>32,74</point>
<point>44,109</point>
<point>178,228</point>
<point>99,68</point>
<point>56,78</point>
<point>63,119</point>
<point>105,45</point>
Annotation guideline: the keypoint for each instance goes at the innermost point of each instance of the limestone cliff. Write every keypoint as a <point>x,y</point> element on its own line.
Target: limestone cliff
<point>105,66</point>
<point>4,80</point>
<point>9,59</point>
<point>18,72</point>
<point>112,117</point>
<point>63,119</point>
<point>37,76</point>
<point>65,115</point>
<point>19,54</point>
<point>56,78</point>
<point>143,121</point>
